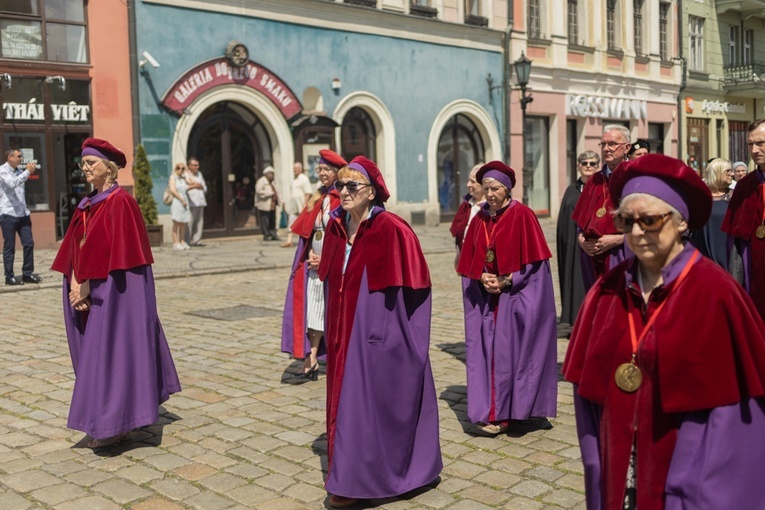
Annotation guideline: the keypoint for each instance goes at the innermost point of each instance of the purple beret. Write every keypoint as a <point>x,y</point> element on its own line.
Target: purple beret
<point>668,179</point>
<point>499,171</point>
<point>368,168</point>
<point>104,150</point>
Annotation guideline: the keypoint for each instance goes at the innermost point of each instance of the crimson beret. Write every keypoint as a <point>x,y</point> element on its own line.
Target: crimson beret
<point>104,150</point>
<point>505,175</point>
<point>368,167</point>
<point>681,178</point>
<point>332,159</point>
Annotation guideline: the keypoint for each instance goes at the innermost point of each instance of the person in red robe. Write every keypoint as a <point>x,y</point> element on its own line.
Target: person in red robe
<point>303,319</point>
<point>667,359</point>
<point>745,222</point>
<point>601,244</point>
<point>382,412</point>
<point>122,363</point>
<point>469,207</point>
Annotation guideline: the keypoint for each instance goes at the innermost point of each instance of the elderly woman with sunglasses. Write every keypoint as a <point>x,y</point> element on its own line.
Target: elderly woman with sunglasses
<point>668,360</point>
<point>382,413</point>
<point>303,319</point>
<point>510,324</point>
<point>122,364</point>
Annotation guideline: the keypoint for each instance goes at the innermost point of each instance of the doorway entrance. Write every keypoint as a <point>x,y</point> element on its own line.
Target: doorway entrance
<point>460,148</point>
<point>232,147</point>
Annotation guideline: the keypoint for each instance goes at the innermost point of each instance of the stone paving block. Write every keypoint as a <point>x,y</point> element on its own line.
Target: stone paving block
<point>166,461</point>
<point>530,488</point>
<point>156,504</point>
<point>282,504</point>
<point>174,489</point>
<point>520,503</point>
<point>248,454</point>
<point>305,492</point>
<point>497,479</point>
<point>45,447</point>
<point>461,469</point>
<point>208,501</point>
<point>563,497</point>
<point>222,482</point>
<point>570,481</point>
<point>484,494</point>
<point>481,457</point>
<point>121,491</point>
<point>232,434</point>
<point>217,445</point>
<point>452,485</point>
<point>61,469</point>
<point>215,460</point>
<point>296,437</point>
<point>250,495</point>
<point>275,482</point>
<point>544,458</point>
<point>17,439</point>
<point>26,481</point>
<point>19,464</point>
<point>88,477</point>
<point>295,453</point>
<point>195,471</point>
<point>247,471</point>
<point>55,494</point>
<point>12,501</point>
<point>139,474</point>
<point>544,473</point>
<point>467,504</point>
<point>91,503</point>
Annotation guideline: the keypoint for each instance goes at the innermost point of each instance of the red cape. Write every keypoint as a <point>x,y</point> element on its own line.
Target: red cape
<point>460,221</point>
<point>516,238</point>
<point>592,199</point>
<point>745,208</point>
<point>709,351</point>
<point>306,220</point>
<point>116,240</point>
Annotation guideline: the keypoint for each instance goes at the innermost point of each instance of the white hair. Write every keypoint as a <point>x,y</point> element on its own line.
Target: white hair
<point>618,127</point>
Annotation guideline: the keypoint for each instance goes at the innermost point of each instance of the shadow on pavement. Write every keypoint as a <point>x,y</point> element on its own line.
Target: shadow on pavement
<point>456,349</point>
<point>456,397</point>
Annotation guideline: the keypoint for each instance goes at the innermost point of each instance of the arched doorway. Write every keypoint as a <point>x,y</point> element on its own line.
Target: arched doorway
<point>233,147</point>
<point>358,135</point>
<point>460,147</point>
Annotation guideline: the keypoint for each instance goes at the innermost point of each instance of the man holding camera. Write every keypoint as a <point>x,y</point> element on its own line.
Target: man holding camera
<point>15,218</point>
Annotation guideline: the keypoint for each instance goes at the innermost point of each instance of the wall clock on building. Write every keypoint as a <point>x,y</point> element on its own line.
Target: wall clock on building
<point>237,54</point>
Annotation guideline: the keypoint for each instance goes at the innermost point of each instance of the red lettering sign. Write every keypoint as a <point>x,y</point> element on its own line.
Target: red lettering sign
<point>215,73</point>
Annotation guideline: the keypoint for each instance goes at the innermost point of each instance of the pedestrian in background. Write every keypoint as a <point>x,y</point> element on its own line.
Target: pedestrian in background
<point>667,359</point>
<point>602,245</point>
<point>15,218</point>
<point>711,241</point>
<point>304,310</point>
<point>197,202</point>
<point>382,412</point>
<point>640,147</point>
<point>510,322</point>
<point>569,259</point>
<point>745,221</point>
<point>740,169</point>
<point>266,201</point>
<point>469,207</point>
<point>300,191</point>
<point>179,209</point>
<point>122,364</point>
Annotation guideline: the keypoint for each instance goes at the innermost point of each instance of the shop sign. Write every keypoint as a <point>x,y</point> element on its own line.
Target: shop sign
<point>71,112</point>
<point>720,107</point>
<point>580,105</point>
<point>219,72</point>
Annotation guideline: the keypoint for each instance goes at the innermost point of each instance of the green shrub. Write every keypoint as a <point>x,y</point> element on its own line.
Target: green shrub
<point>143,185</point>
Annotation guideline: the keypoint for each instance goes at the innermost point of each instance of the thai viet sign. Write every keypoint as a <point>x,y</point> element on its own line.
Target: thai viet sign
<point>581,105</point>
<point>218,72</point>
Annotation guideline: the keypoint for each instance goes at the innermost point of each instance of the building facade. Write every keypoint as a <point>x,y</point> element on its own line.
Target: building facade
<point>64,76</point>
<point>594,62</point>
<point>724,47</point>
<point>273,82</point>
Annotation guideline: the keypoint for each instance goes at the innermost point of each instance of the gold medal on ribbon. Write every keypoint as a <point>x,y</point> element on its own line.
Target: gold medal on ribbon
<point>489,256</point>
<point>318,235</point>
<point>628,377</point>
<point>600,212</point>
<point>760,232</point>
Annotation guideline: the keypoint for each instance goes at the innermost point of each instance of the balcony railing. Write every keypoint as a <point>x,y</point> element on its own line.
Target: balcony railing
<point>745,74</point>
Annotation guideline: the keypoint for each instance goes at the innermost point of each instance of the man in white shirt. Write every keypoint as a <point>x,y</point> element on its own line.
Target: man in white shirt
<point>15,218</point>
<point>197,202</point>
<point>301,191</point>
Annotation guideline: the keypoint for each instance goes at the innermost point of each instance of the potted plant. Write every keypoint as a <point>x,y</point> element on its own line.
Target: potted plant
<point>142,186</point>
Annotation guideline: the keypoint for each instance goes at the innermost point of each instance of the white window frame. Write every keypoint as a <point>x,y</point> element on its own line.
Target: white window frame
<point>696,43</point>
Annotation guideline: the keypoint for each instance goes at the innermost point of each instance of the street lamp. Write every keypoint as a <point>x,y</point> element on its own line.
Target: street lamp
<point>522,71</point>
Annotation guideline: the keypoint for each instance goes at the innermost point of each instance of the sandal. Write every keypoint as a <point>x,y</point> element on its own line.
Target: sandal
<point>108,441</point>
<point>490,429</point>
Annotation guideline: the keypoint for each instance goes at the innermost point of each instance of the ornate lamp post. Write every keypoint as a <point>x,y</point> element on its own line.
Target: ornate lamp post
<point>522,71</point>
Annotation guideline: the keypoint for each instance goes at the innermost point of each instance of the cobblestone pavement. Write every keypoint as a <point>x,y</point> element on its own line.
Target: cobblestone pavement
<point>236,437</point>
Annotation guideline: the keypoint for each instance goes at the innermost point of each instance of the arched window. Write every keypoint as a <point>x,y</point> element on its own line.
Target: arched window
<point>460,147</point>
<point>358,135</point>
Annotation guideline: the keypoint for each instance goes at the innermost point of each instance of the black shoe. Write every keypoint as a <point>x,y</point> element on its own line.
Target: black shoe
<point>13,281</point>
<point>198,245</point>
<point>304,377</point>
<point>32,278</point>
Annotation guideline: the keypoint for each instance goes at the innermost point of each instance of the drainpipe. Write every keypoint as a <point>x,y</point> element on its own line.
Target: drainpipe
<point>506,79</point>
<point>683,81</point>
<point>133,54</point>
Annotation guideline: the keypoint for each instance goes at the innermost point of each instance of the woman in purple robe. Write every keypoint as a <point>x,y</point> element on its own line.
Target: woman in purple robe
<point>382,413</point>
<point>122,364</point>
<point>510,320</point>
<point>667,359</point>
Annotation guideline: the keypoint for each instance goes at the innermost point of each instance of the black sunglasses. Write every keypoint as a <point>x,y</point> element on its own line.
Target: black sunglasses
<point>352,186</point>
<point>652,223</point>
<point>588,163</point>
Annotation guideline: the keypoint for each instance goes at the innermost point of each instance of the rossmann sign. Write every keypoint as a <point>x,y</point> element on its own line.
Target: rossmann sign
<point>581,105</point>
